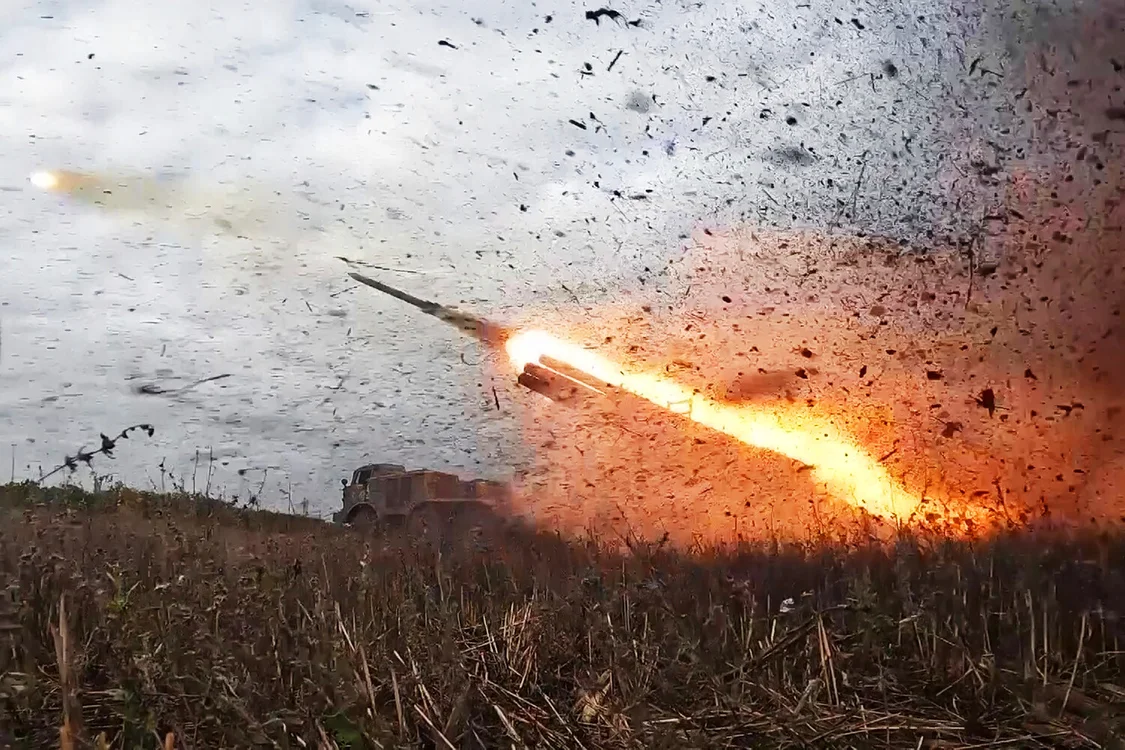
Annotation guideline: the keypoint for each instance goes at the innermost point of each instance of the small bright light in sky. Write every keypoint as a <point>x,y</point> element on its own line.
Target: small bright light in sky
<point>44,180</point>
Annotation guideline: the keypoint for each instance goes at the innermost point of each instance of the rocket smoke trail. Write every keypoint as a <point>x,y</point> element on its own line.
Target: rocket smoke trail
<point>485,331</point>
<point>185,204</point>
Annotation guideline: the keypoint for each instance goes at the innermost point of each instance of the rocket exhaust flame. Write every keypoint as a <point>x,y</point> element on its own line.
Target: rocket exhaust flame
<point>836,460</point>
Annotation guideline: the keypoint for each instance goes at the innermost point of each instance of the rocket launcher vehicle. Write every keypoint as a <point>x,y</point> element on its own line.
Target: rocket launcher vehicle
<point>587,379</point>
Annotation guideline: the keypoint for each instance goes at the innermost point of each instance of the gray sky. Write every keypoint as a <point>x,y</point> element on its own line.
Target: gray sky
<point>500,151</point>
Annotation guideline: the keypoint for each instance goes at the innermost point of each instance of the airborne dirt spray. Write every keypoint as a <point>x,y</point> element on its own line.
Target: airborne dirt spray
<point>973,405</point>
<point>987,369</point>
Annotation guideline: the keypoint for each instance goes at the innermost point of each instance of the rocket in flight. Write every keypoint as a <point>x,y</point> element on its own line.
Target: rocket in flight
<point>555,380</point>
<point>491,334</point>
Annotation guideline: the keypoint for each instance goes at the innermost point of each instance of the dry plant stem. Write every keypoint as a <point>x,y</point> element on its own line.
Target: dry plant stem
<point>72,734</point>
<point>189,623</point>
<point>1074,669</point>
<point>70,463</point>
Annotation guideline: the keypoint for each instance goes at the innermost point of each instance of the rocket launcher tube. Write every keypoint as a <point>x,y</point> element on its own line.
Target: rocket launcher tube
<point>554,385</point>
<point>573,373</point>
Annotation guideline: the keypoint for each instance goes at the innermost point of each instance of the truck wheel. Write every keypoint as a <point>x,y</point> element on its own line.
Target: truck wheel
<point>479,526</point>
<point>472,517</point>
<point>427,523</point>
<point>364,518</point>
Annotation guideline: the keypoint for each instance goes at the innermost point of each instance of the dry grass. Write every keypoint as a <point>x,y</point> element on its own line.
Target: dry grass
<point>137,620</point>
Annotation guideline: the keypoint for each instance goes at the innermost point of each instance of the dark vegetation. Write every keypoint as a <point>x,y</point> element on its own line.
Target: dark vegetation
<point>131,619</point>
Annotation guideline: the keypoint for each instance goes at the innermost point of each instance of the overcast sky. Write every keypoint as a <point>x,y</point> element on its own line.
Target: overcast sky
<point>508,157</point>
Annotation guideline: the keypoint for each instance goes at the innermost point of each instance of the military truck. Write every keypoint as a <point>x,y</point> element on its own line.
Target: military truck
<point>424,501</point>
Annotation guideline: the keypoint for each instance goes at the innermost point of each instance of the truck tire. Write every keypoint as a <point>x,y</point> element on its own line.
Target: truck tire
<point>427,523</point>
<point>364,518</point>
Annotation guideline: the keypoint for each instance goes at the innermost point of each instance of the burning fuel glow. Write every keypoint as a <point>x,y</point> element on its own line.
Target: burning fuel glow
<point>844,467</point>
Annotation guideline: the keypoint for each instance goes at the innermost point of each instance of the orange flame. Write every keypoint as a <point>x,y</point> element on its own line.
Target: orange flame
<point>835,459</point>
